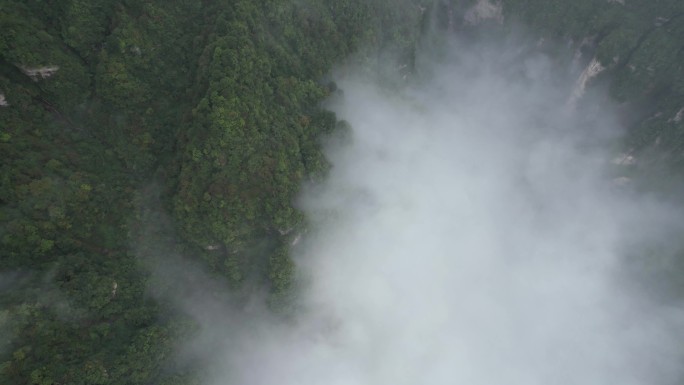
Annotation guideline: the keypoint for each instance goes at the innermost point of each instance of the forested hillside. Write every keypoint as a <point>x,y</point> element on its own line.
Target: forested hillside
<point>215,106</point>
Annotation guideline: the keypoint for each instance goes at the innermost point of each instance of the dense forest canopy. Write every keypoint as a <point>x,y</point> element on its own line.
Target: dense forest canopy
<point>203,120</point>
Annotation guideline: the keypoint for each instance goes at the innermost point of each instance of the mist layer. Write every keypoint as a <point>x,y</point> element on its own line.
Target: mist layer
<point>469,232</point>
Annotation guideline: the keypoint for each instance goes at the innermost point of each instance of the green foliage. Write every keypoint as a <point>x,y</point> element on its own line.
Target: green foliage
<point>218,101</point>
<point>70,161</point>
<point>254,133</point>
<point>281,275</point>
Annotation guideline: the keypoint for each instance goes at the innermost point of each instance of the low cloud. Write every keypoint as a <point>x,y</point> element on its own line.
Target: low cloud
<point>470,232</point>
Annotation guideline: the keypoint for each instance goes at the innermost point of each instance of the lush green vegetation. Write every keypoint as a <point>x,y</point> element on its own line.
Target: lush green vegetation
<point>217,103</point>
<point>75,148</point>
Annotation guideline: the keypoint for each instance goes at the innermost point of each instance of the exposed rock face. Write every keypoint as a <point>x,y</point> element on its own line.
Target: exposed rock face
<point>484,10</point>
<point>285,231</point>
<point>678,116</point>
<point>296,240</point>
<point>590,71</point>
<point>3,100</point>
<point>39,73</point>
<point>625,160</point>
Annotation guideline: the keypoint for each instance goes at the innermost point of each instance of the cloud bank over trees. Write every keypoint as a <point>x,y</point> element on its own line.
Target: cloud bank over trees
<point>471,230</point>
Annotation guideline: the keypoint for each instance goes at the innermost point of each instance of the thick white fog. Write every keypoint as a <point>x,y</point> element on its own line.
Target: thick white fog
<point>470,232</point>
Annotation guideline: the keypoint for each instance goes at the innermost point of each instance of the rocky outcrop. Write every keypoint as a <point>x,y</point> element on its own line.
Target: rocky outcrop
<point>590,71</point>
<point>624,160</point>
<point>39,73</point>
<point>3,100</point>
<point>484,10</point>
